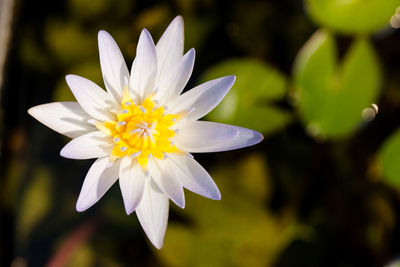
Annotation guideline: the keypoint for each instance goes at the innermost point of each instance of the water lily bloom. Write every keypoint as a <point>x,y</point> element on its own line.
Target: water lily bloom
<point>142,129</point>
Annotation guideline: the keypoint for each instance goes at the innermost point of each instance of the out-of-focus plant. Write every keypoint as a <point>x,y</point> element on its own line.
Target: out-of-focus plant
<point>237,231</point>
<point>329,95</point>
<point>389,159</point>
<point>352,16</point>
<point>330,87</point>
<point>258,87</point>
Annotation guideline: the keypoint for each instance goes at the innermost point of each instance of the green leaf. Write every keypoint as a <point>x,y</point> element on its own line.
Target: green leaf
<point>389,159</point>
<point>69,42</point>
<point>249,102</point>
<point>88,8</point>
<point>90,70</point>
<point>35,203</point>
<point>330,96</point>
<point>352,16</point>
<point>220,232</point>
<point>92,10</point>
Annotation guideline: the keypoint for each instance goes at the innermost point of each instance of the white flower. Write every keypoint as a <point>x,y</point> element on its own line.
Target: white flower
<point>142,129</point>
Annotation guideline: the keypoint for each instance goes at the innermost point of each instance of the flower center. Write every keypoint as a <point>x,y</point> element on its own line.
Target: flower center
<point>141,131</point>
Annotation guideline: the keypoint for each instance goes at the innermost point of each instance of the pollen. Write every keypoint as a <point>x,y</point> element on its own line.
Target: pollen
<point>141,131</point>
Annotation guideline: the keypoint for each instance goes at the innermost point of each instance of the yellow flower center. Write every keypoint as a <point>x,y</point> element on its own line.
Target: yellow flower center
<point>141,131</point>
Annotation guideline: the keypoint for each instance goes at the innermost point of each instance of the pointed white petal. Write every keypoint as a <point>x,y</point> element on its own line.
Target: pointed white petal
<point>152,212</point>
<point>97,181</point>
<point>205,136</point>
<point>88,146</point>
<point>170,47</point>
<point>193,176</point>
<point>67,118</point>
<point>144,69</point>
<point>201,135</point>
<point>131,183</point>
<point>92,98</point>
<point>171,86</point>
<point>202,98</point>
<point>113,65</point>
<point>244,138</point>
<point>159,171</point>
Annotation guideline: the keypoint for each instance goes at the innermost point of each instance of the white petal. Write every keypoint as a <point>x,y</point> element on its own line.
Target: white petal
<point>67,118</point>
<point>205,136</point>
<point>113,65</point>
<point>170,47</point>
<point>203,98</point>
<point>88,146</point>
<point>131,183</point>
<point>160,172</point>
<point>144,69</point>
<point>171,86</point>
<point>201,135</point>
<point>152,212</point>
<point>193,176</point>
<point>97,181</point>
<point>92,98</point>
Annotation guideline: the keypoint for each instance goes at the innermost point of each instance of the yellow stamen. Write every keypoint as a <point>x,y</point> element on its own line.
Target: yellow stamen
<point>141,131</point>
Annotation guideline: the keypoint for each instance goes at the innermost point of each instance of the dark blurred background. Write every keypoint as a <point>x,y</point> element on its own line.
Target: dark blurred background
<point>322,189</point>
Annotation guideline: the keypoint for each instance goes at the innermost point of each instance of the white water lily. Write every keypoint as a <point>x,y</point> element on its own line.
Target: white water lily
<point>142,129</point>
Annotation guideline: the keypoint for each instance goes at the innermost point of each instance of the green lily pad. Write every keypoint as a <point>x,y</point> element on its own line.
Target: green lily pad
<point>250,101</point>
<point>331,95</point>
<point>352,16</point>
<point>389,159</point>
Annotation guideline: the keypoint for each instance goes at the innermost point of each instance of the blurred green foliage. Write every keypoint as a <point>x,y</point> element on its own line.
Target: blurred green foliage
<point>321,190</point>
<point>352,16</point>
<point>389,159</point>
<point>35,203</point>
<point>85,256</point>
<point>60,37</point>
<point>256,87</point>
<point>220,234</point>
<point>331,96</point>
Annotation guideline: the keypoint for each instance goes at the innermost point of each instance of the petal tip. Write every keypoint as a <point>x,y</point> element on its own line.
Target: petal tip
<point>216,196</point>
<point>37,111</point>
<point>177,21</point>
<point>227,81</point>
<point>79,207</point>
<point>146,39</point>
<point>180,204</point>
<point>158,243</point>
<point>213,194</point>
<point>32,111</point>
<point>258,137</point>
<point>146,33</point>
<point>158,246</point>
<point>156,240</point>
<point>102,33</point>
<point>69,78</point>
<point>63,153</point>
<point>129,211</point>
<point>178,18</point>
<point>232,78</point>
<point>66,152</point>
<point>105,39</point>
<point>192,52</point>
